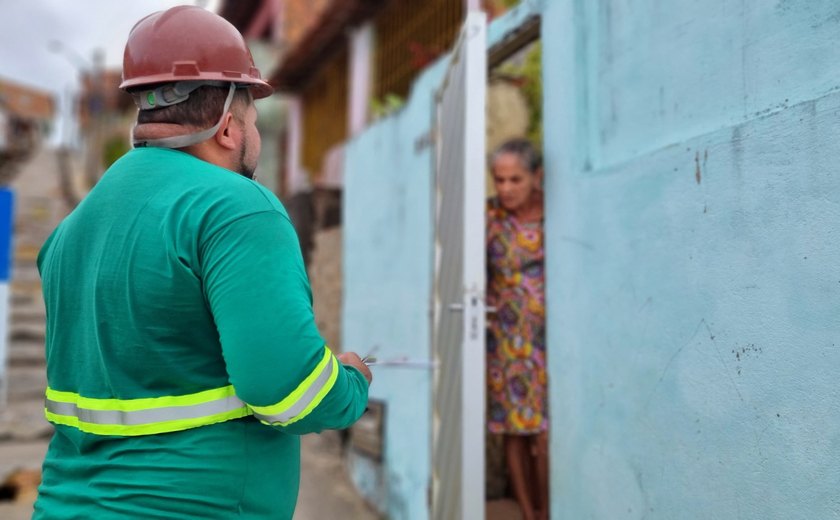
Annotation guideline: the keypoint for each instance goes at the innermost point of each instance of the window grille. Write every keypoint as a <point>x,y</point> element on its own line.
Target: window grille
<point>410,35</point>
<point>325,112</point>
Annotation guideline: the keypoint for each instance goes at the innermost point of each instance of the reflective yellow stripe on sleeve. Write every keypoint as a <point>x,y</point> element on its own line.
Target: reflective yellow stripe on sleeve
<point>146,416</point>
<point>305,397</point>
<point>153,415</point>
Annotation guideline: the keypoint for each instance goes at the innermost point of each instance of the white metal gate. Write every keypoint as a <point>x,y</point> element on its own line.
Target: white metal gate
<point>458,420</point>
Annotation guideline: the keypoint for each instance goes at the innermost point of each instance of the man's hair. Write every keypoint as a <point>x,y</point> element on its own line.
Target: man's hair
<point>528,154</point>
<point>201,110</point>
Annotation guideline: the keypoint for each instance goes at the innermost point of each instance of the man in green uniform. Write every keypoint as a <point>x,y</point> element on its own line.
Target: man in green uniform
<point>183,360</point>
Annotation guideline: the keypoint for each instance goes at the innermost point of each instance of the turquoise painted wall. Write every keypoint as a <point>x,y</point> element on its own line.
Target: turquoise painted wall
<point>692,245</point>
<point>693,281</point>
<point>387,291</point>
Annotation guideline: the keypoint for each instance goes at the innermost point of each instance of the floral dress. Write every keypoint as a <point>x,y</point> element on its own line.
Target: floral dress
<point>516,377</point>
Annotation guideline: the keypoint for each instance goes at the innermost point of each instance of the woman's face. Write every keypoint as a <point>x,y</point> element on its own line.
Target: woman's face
<point>514,183</point>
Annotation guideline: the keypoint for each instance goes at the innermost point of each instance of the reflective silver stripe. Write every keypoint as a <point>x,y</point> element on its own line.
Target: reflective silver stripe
<point>150,416</point>
<point>304,400</point>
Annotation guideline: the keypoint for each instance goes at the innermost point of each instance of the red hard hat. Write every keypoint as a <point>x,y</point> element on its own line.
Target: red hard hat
<point>188,43</point>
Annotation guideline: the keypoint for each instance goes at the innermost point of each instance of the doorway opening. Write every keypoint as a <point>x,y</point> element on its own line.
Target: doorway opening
<point>516,438</point>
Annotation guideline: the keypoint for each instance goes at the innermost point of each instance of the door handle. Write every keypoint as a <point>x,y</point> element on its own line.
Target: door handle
<point>459,307</point>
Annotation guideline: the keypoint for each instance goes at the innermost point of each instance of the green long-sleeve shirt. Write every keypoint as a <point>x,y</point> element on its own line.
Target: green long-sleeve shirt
<point>172,277</point>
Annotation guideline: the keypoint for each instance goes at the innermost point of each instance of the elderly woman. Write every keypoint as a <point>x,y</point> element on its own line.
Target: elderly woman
<point>516,377</point>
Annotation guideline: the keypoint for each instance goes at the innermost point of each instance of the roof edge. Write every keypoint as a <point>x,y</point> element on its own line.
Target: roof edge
<point>301,62</point>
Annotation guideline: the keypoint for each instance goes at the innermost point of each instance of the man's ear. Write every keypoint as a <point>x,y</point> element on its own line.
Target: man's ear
<point>225,135</point>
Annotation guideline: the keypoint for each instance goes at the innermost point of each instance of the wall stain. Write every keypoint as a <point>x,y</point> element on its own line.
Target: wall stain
<point>697,174</point>
<point>698,170</point>
<point>721,360</point>
<point>745,352</point>
<point>738,150</point>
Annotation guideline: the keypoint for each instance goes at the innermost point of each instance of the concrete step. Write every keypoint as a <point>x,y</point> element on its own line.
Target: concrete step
<point>25,291</point>
<point>22,331</point>
<point>14,455</point>
<point>26,252</point>
<point>27,319</point>
<point>23,420</point>
<point>26,383</point>
<point>30,314</point>
<point>22,296</point>
<point>26,268</point>
<point>26,280</point>
<point>27,302</point>
<point>28,353</point>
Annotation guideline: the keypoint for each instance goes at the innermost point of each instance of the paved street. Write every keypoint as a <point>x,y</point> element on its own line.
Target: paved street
<point>326,492</point>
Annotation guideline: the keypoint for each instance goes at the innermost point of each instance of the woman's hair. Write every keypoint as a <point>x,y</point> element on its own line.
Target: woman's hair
<point>522,148</point>
<point>200,110</point>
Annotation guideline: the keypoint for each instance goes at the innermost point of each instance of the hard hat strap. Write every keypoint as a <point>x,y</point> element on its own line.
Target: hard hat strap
<point>182,141</point>
<point>165,95</point>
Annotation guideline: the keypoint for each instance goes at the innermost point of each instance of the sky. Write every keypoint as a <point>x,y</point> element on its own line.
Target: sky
<point>81,26</point>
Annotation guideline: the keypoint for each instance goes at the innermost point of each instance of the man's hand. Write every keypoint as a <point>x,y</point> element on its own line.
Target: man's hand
<point>353,359</point>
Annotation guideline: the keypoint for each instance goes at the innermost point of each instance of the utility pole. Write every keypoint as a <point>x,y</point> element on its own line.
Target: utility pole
<point>91,102</point>
<point>96,110</point>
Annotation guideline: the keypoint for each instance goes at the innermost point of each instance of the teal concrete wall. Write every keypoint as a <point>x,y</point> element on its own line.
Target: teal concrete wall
<point>693,205</point>
<point>387,291</point>
<point>692,274</point>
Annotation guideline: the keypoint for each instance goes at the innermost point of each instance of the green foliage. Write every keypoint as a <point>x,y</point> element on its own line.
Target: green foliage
<point>532,71</point>
<point>114,147</point>
<point>496,8</point>
<point>385,106</point>
<point>529,71</point>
